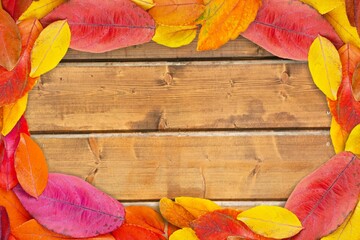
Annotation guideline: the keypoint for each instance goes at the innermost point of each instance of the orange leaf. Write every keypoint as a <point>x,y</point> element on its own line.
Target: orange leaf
<point>175,214</point>
<point>145,217</point>
<point>177,12</point>
<point>225,20</point>
<point>30,166</point>
<point>135,232</point>
<point>17,213</point>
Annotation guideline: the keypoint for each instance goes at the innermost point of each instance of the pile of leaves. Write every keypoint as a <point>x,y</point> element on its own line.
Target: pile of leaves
<point>35,36</point>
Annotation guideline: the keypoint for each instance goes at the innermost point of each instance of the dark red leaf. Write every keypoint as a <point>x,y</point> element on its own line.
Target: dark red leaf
<point>4,224</point>
<point>287,28</point>
<point>104,26</point>
<point>324,199</point>
<point>16,7</point>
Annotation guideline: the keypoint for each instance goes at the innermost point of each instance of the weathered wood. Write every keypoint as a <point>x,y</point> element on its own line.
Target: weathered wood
<point>216,165</point>
<point>240,48</point>
<point>173,96</point>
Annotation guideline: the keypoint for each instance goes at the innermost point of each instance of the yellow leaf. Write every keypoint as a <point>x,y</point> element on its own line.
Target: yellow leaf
<point>144,4</point>
<point>197,206</point>
<point>338,19</point>
<point>349,229</point>
<point>40,8</point>
<point>353,142</point>
<point>338,136</point>
<point>271,221</point>
<point>184,234</point>
<point>224,20</point>
<point>323,6</point>
<point>174,36</point>
<point>325,66</point>
<point>50,47</point>
<point>12,114</point>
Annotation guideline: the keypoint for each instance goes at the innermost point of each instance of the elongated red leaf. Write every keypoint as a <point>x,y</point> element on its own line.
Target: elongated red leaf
<point>4,224</point>
<point>16,7</point>
<point>104,26</point>
<point>219,226</point>
<point>287,28</point>
<point>10,43</point>
<point>8,178</point>
<point>73,207</point>
<point>323,199</point>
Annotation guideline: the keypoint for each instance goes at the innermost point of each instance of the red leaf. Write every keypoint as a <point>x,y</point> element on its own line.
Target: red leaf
<point>105,26</point>
<point>135,232</point>
<point>218,226</point>
<point>10,43</point>
<point>72,207</point>
<point>287,28</point>
<point>4,224</point>
<point>16,7</point>
<point>8,178</point>
<point>323,199</point>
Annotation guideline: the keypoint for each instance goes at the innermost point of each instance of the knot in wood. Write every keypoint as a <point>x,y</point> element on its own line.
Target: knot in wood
<point>285,77</point>
<point>168,79</point>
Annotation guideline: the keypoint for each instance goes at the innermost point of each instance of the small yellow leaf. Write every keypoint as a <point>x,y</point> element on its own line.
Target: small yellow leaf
<point>50,47</point>
<point>323,6</point>
<point>338,19</point>
<point>144,4</point>
<point>338,136</point>
<point>174,36</point>
<point>325,66</point>
<point>40,8</point>
<point>184,234</point>
<point>197,206</point>
<point>271,221</point>
<point>12,114</point>
<point>353,142</point>
<point>349,229</point>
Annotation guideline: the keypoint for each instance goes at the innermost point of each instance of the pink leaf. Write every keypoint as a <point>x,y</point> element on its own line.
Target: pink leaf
<point>4,224</point>
<point>287,28</point>
<point>72,207</point>
<point>323,199</point>
<point>105,25</point>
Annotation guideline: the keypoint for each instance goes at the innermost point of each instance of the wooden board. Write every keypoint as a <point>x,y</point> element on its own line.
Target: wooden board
<point>239,48</point>
<point>260,165</point>
<point>88,97</point>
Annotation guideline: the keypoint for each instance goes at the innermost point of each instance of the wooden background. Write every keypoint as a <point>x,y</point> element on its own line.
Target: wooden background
<point>235,125</point>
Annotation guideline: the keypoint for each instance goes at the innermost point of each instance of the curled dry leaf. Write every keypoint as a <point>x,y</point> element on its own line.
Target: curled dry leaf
<point>12,114</point>
<point>335,185</point>
<point>4,224</point>
<point>182,234</point>
<point>283,28</point>
<point>175,36</point>
<point>175,214</point>
<point>118,23</point>
<point>73,207</point>
<point>40,8</point>
<point>197,206</point>
<point>16,7</point>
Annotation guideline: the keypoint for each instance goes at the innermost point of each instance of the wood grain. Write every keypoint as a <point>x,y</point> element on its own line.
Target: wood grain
<point>176,96</point>
<point>216,165</point>
<point>239,48</point>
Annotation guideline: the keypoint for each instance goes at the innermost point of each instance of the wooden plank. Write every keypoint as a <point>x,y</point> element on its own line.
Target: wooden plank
<point>216,165</point>
<point>240,48</point>
<point>173,96</point>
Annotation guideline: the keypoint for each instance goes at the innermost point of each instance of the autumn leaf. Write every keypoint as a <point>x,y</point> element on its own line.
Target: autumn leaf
<point>4,224</point>
<point>144,4</point>
<point>323,7</point>
<point>72,207</point>
<point>118,23</point>
<point>184,234</point>
<point>175,213</point>
<point>271,221</point>
<point>338,136</point>
<point>325,66</point>
<point>283,27</point>
<point>353,141</point>
<point>10,42</point>
<point>337,18</point>
<point>225,20</point>
<point>336,186</point>
<point>177,12</point>
<point>349,229</point>
<point>40,8</point>
<point>12,114</point>
<point>356,83</point>
<point>353,14</point>
<point>197,206</point>
<point>135,232</point>
<point>175,36</point>
<point>16,7</point>
<point>50,47</point>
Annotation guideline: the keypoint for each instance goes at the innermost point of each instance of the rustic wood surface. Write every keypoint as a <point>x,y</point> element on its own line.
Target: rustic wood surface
<point>145,122</point>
